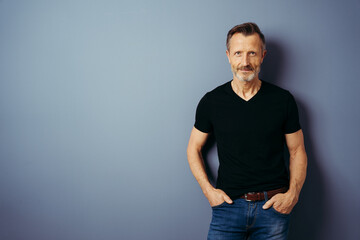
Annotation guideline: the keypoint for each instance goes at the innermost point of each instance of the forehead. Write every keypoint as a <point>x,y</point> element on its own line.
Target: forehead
<point>240,41</point>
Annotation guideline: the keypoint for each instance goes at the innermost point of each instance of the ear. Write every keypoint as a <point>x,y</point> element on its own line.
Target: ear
<point>228,55</point>
<point>263,55</point>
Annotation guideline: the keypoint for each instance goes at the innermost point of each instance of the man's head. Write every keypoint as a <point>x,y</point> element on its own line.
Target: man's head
<point>245,50</point>
<point>246,29</point>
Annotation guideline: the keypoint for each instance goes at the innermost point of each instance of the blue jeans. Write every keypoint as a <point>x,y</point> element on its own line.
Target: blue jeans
<point>247,220</point>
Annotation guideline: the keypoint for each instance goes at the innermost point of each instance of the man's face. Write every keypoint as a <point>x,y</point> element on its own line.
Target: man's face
<point>245,56</point>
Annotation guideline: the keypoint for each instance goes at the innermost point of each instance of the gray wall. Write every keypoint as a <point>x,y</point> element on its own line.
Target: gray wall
<point>97,100</point>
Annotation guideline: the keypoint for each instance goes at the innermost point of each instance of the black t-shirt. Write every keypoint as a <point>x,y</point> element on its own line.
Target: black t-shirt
<point>250,136</point>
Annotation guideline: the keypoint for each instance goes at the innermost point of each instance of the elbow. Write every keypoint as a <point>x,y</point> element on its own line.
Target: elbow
<point>193,150</point>
<point>188,151</point>
<point>304,156</point>
<point>299,155</point>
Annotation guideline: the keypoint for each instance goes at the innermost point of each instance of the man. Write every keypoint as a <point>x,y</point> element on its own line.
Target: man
<point>251,120</point>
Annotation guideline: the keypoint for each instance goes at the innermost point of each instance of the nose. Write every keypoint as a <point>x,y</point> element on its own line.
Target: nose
<point>245,60</point>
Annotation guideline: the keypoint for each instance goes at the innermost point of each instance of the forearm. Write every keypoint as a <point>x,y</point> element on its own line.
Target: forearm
<point>197,167</point>
<point>297,168</point>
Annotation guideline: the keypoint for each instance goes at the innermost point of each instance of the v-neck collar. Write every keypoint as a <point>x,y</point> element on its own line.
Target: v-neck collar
<point>253,98</point>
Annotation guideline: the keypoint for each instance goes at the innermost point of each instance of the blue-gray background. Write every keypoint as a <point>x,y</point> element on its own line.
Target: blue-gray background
<point>97,100</point>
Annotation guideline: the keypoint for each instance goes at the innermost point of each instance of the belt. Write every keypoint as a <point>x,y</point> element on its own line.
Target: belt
<point>260,196</point>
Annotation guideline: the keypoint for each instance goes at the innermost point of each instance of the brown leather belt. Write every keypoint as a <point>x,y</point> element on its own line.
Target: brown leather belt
<point>260,196</point>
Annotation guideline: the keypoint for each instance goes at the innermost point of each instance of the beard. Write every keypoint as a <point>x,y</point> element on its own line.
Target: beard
<point>247,78</point>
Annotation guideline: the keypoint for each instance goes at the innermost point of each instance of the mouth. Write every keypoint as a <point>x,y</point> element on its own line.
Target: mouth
<point>246,69</point>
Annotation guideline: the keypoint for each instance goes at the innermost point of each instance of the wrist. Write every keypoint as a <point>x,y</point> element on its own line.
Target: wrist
<point>207,189</point>
<point>293,195</point>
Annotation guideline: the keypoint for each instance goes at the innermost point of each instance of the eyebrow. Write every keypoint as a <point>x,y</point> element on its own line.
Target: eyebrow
<point>251,50</point>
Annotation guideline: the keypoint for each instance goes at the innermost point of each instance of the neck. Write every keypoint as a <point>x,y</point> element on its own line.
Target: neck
<point>246,89</point>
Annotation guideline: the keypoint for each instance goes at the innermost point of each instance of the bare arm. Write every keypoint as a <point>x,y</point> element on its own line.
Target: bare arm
<point>298,162</point>
<point>284,203</point>
<point>196,162</point>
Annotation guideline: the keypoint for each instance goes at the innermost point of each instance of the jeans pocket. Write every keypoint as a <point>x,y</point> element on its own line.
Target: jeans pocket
<point>279,213</point>
<point>220,205</point>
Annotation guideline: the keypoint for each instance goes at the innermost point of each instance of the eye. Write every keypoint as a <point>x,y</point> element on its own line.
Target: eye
<point>252,53</point>
<point>237,53</point>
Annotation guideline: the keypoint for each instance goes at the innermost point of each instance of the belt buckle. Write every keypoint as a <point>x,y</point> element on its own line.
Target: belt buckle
<point>246,195</point>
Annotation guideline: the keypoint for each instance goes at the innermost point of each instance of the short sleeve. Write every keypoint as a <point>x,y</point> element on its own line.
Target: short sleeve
<point>292,123</point>
<point>202,116</point>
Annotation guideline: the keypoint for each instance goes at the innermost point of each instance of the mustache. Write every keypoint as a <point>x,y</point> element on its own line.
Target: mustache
<point>246,68</point>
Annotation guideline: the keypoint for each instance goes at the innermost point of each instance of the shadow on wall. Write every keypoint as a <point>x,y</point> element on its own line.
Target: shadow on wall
<point>308,215</point>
